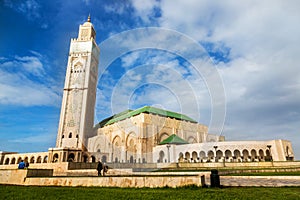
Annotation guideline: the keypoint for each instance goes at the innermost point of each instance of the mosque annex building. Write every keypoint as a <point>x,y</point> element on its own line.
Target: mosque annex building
<point>144,135</point>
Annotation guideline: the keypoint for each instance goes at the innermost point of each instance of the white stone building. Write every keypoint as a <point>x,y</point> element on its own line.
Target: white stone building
<point>133,136</point>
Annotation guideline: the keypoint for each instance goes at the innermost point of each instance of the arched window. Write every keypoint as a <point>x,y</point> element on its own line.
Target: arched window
<point>63,136</point>
<point>7,161</point>
<point>245,153</point>
<point>70,135</point>
<point>32,159</point>
<point>13,161</point>
<point>39,159</point>
<point>103,159</point>
<point>253,155</point>
<point>236,153</point>
<point>55,157</point>
<point>77,136</point>
<point>228,154</point>
<point>202,154</point>
<point>85,158</point>
<point>93,159</point>
<point>19,160</point>
<point>180,159</point>
<point>161,156</point>
<point>219,154</point>
<point>194,156</point>
<point>187,156</point>
<point>261,154</point>
<point>210,154</point>
<point>45,159</point>
<point>71,157</point>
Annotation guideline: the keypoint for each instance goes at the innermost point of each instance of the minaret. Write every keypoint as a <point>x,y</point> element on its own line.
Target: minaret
<point>78,105</point>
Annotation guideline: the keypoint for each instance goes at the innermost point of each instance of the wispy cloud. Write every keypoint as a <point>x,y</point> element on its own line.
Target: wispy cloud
<point>253,44</point>
<point>30,8</point>
<point>23,82</point>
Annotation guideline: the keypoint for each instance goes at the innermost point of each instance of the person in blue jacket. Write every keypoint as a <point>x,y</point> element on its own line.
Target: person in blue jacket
<point>21,165</point>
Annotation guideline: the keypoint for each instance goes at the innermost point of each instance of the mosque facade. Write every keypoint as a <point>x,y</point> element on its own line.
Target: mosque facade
<point>144,135</point>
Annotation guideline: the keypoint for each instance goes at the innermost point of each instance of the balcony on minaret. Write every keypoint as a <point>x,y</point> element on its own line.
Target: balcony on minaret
<point>87,31</point>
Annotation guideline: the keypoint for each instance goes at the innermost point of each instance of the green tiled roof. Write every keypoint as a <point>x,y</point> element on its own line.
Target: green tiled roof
<point>174,139</point>
<point>146,109</point>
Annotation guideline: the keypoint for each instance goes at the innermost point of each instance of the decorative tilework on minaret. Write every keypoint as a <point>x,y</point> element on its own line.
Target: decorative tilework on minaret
<point>79,96</point>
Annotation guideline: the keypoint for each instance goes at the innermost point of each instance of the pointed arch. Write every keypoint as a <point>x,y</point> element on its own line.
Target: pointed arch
<point>13,160</point>
<point>6,161</point>
<point>195,156</point>
<point>39,159</point>
<point>192,140</point>
<point>131,146</point>
<point>253,155</point>
<point>32,159</point>
<point>210,154</point>
<point>161,157</point>
<point>228,154</point>
<point>261,154</point>
<point>163,136</point>
<point>245,154</point>
<point>19,160</point>
<point>180,159</point>
<point>116,148</point>
<point>202,154</point>
<point>71,157</point>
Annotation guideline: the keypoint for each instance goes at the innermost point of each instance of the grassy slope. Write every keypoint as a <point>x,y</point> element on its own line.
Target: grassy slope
<point>21,192</point>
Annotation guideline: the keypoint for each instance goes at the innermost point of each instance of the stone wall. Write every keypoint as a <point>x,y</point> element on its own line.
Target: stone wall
<point>59,169</point>
<point>20,177</point>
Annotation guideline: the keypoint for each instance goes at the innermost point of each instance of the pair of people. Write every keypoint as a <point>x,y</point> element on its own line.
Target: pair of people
<point>101,167</point>
<point>23,165</point>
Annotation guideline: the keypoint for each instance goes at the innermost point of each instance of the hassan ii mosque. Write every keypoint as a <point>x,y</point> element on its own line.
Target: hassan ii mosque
<point>144,135</point>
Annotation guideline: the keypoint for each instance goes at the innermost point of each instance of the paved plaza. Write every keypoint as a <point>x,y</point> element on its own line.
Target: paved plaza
<point>259,181</point>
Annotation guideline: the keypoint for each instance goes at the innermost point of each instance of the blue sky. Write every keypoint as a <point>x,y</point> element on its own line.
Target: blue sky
<point>249,75</point>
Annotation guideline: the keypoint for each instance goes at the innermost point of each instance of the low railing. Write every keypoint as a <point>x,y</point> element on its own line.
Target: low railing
<point>83,165</point>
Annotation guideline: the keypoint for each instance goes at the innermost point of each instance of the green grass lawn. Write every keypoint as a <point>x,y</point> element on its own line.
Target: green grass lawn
<point>64,193</point>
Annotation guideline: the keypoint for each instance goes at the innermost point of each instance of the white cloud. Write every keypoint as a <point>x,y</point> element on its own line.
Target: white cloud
<point>160,75</point>
<point>262,76</point>
<point>30,8</point>
<point>15,89</point>
<point>22,82</point>
<point>41,138</point>
<point>26,64</point>
<point>145,9</point>
<point>116,7</point>
<point>31,64</point>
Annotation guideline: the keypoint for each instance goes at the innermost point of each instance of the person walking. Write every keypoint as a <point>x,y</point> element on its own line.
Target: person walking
<point>99,168</point>
<point>105,169</point>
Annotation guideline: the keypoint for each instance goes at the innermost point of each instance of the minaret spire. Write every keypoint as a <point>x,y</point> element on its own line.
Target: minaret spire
<point>89,18</point>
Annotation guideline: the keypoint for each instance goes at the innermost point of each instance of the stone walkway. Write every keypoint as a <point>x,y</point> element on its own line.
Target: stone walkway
<point>261,181</point>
